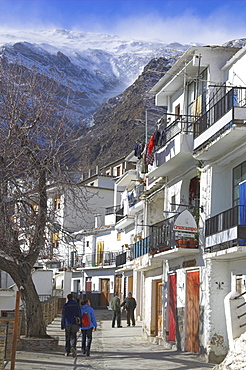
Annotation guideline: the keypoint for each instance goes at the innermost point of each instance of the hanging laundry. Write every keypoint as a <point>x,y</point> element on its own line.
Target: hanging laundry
<point>157,135</point>
<point>163,137</point>
<point>137,148</point>
<point>149,158</point>
<point>144,166</point>
<point>151,144</point>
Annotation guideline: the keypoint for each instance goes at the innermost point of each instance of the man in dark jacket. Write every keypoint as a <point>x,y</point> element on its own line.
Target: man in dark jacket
<point>130,304</point>
<point>115,305</point>
<point>70,311</point>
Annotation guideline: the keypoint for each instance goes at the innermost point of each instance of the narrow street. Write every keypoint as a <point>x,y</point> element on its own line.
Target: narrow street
<point>112,349</point>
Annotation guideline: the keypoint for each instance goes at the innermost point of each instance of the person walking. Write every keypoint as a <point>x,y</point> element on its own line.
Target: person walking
<point>88,323</point>
<point>130,304</point>
<point>70,322</point>
<point>115,305</point>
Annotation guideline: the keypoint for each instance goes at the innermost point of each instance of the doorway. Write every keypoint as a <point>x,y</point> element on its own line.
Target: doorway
<point>105,292</point>
<point>192,311</point>
<point>159,308</point>
<point>172,307</point>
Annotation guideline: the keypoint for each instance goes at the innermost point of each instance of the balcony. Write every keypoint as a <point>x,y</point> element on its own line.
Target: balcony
<point>124,257</point>
<point>165,244</point>
<point>99,259</point>
<point>225,233</point>
<point>176,147</point>
<point>137,250</point>
<point>222,127</point>
<point>141,247</point>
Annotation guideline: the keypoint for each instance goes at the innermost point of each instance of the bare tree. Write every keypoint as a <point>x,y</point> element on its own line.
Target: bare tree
<point>38,135</point>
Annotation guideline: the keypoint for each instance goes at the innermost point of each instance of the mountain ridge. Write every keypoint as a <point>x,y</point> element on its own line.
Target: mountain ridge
<point>110,77</point>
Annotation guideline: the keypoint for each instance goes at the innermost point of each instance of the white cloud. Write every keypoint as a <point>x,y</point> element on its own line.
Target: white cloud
<point>215,29</point>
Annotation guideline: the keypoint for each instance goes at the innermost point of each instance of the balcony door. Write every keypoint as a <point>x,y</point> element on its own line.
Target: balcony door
<point>105,290</point>
<point>100,252</point>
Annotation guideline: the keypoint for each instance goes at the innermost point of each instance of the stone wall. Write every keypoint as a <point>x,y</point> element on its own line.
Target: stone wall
<point>3,337</point>
<point>50,310</point>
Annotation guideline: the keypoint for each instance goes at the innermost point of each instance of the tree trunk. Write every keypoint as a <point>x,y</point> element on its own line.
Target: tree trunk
<point>35,324</point>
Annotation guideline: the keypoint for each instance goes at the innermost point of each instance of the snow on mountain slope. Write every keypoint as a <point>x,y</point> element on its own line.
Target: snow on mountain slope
<point>96,66</point>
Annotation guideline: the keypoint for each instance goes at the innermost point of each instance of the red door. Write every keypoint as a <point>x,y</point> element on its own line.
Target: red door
<point>88,288</point>
<point>172,305</point>
<point>159,302</point>
<point>192,311</point>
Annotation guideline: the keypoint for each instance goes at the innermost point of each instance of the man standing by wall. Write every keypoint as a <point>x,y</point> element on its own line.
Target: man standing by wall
<point>70,311</point>
<point>130,304</point>
<point>115,305</point>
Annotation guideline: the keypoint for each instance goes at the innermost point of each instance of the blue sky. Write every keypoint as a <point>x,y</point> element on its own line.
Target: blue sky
<point>208,22</point>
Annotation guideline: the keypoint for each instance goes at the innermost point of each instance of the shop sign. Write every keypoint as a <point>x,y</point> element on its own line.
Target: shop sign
<point>180,235</point>
<point>185,223</point>
<point>190,263</point>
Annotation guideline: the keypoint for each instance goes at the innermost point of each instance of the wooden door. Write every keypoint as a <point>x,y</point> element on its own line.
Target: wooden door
<point>118,286</point>
<point>130,284</point>
<point>88,285</point>
<point>159,308</point>
<point>192,311</point>
<point>104,292</point>
<point>172,307</point>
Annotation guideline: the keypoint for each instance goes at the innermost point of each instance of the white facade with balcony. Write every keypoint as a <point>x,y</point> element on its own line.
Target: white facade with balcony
<point>201,161</point>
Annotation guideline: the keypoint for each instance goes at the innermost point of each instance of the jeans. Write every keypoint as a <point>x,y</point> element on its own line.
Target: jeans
<point>86,334</point>
<point>117,317</point>
<point>71,337</point>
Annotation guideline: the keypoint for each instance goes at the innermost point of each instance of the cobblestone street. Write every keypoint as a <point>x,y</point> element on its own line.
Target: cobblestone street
<point>112,349</point>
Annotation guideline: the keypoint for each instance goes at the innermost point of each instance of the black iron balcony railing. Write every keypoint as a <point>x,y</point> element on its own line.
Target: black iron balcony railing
<point>134,195</point>
<point>180,124</point>
<point>240,306</point>
<point>233,97</point>
<point>225,220</point>
<point>99,259</point>
<point>112,210</point>
<point>120,214</point>
<point>137,249</point>
<point>122,258</point>
<point>163,237</point>
<point>233,217</point>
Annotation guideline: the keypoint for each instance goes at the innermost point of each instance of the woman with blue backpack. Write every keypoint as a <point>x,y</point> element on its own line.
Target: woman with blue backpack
<point>88,320</point>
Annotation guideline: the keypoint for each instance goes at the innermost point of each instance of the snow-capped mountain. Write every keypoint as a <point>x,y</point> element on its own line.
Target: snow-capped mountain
<point>96,66</point>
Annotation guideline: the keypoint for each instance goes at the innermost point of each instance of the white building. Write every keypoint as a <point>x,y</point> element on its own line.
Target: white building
<point>199,162</point>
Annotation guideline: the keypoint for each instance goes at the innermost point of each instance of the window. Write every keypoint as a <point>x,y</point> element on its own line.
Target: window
<point>118,171</point>
<point>118,236</point>
<point>177,111</point>
<point>239,175</point>
<point>55,240</point>
<point>173,201</point>
<point>57,202</point>
<point>239,284</point>
<point>197,95</point>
